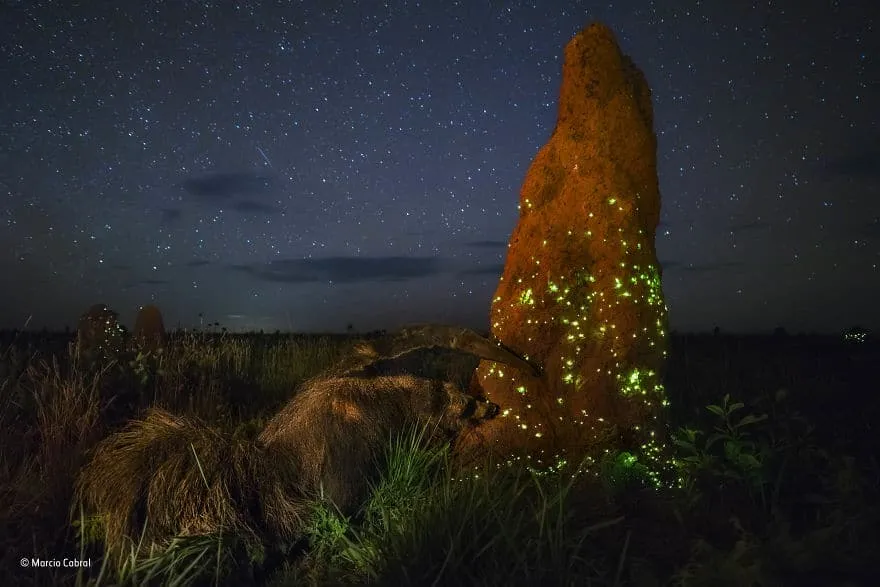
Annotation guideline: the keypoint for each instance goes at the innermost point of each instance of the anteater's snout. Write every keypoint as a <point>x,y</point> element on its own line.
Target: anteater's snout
<point>477,409</point>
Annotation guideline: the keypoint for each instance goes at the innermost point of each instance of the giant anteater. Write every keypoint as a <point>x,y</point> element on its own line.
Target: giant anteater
<point>166,475</point>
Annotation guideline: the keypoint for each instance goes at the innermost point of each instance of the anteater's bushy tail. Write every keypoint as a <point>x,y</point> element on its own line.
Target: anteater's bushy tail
<point>164,476</point>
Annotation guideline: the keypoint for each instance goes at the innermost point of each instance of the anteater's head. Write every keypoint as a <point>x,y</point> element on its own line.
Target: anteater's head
<point>463,409</point>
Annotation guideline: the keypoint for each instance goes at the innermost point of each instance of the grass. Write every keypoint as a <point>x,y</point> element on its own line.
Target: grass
<point>774,436</point>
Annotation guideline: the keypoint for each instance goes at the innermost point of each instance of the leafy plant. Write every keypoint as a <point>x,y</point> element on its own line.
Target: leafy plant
<point>147,365</point>
<point>732,451</point>
<point>622,470</point>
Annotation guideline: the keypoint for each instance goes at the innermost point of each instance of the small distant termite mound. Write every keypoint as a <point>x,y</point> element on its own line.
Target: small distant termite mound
<point>99,334</point>
<point>149,328</point>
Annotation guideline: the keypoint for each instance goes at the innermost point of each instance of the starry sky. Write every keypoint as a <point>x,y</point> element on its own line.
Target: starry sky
<point>312,165</point>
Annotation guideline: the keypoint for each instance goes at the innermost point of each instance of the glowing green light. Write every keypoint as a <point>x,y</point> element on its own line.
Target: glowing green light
<point>585,317</point>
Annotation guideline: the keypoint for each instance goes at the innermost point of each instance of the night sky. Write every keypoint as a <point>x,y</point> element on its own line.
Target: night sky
<point>295,166</point>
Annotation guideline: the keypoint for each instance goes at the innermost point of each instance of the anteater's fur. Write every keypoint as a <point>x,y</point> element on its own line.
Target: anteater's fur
<point>179,476</point>
<point>166,475</point>
<point>336,428</point>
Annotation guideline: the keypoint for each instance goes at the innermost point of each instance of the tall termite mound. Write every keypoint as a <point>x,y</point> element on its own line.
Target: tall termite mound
<point>580,294</point>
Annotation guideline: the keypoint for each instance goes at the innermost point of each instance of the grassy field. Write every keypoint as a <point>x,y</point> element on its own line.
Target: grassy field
<point>775,439</point>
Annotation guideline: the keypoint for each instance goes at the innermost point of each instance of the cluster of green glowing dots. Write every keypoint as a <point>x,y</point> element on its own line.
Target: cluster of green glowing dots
<point>858,336</point>
<point>589,467</point>
<point>585,306</point>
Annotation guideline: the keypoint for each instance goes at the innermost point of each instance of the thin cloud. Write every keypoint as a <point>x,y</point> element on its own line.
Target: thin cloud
<point>345,269</point>
<point>170,215</point>
<point>222,186</point>
<point>749,226</point>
